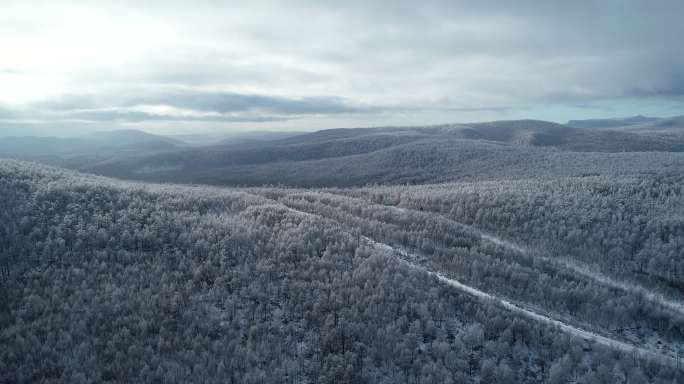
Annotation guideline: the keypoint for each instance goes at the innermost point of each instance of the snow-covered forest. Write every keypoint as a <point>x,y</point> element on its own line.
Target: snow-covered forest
<point>577,279</point>
<point>342,192</point>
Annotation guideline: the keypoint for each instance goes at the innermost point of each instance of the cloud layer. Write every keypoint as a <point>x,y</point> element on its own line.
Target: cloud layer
<point>312,64</point>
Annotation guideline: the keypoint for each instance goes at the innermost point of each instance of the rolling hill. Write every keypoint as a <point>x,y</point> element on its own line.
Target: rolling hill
<point>356,156</point>
<point>348,157</point>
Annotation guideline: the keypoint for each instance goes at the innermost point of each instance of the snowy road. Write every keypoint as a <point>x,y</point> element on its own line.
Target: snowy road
<point>587,335</point>
<point>575,267</point>
<point>405,258</point>
<point>596,276</point>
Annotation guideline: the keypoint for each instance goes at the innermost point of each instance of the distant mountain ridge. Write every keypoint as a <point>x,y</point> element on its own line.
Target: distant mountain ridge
<point>674,125</point>
<point>37,145</point>
<point>124,137</point>
<point>612,122</point>
<point>76,152</point>
<point>356,156</point>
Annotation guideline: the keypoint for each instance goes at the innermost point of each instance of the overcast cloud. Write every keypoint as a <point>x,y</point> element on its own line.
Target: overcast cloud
<point>187,67</point>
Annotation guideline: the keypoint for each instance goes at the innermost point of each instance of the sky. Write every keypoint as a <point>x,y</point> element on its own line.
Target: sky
<point>69,67</point>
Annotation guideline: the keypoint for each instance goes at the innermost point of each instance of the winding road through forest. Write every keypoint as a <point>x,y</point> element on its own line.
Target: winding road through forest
<point>405,258</point>
<point>574,266</point>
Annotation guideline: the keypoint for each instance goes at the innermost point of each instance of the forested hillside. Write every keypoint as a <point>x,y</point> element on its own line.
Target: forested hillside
<point>114,281</point>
